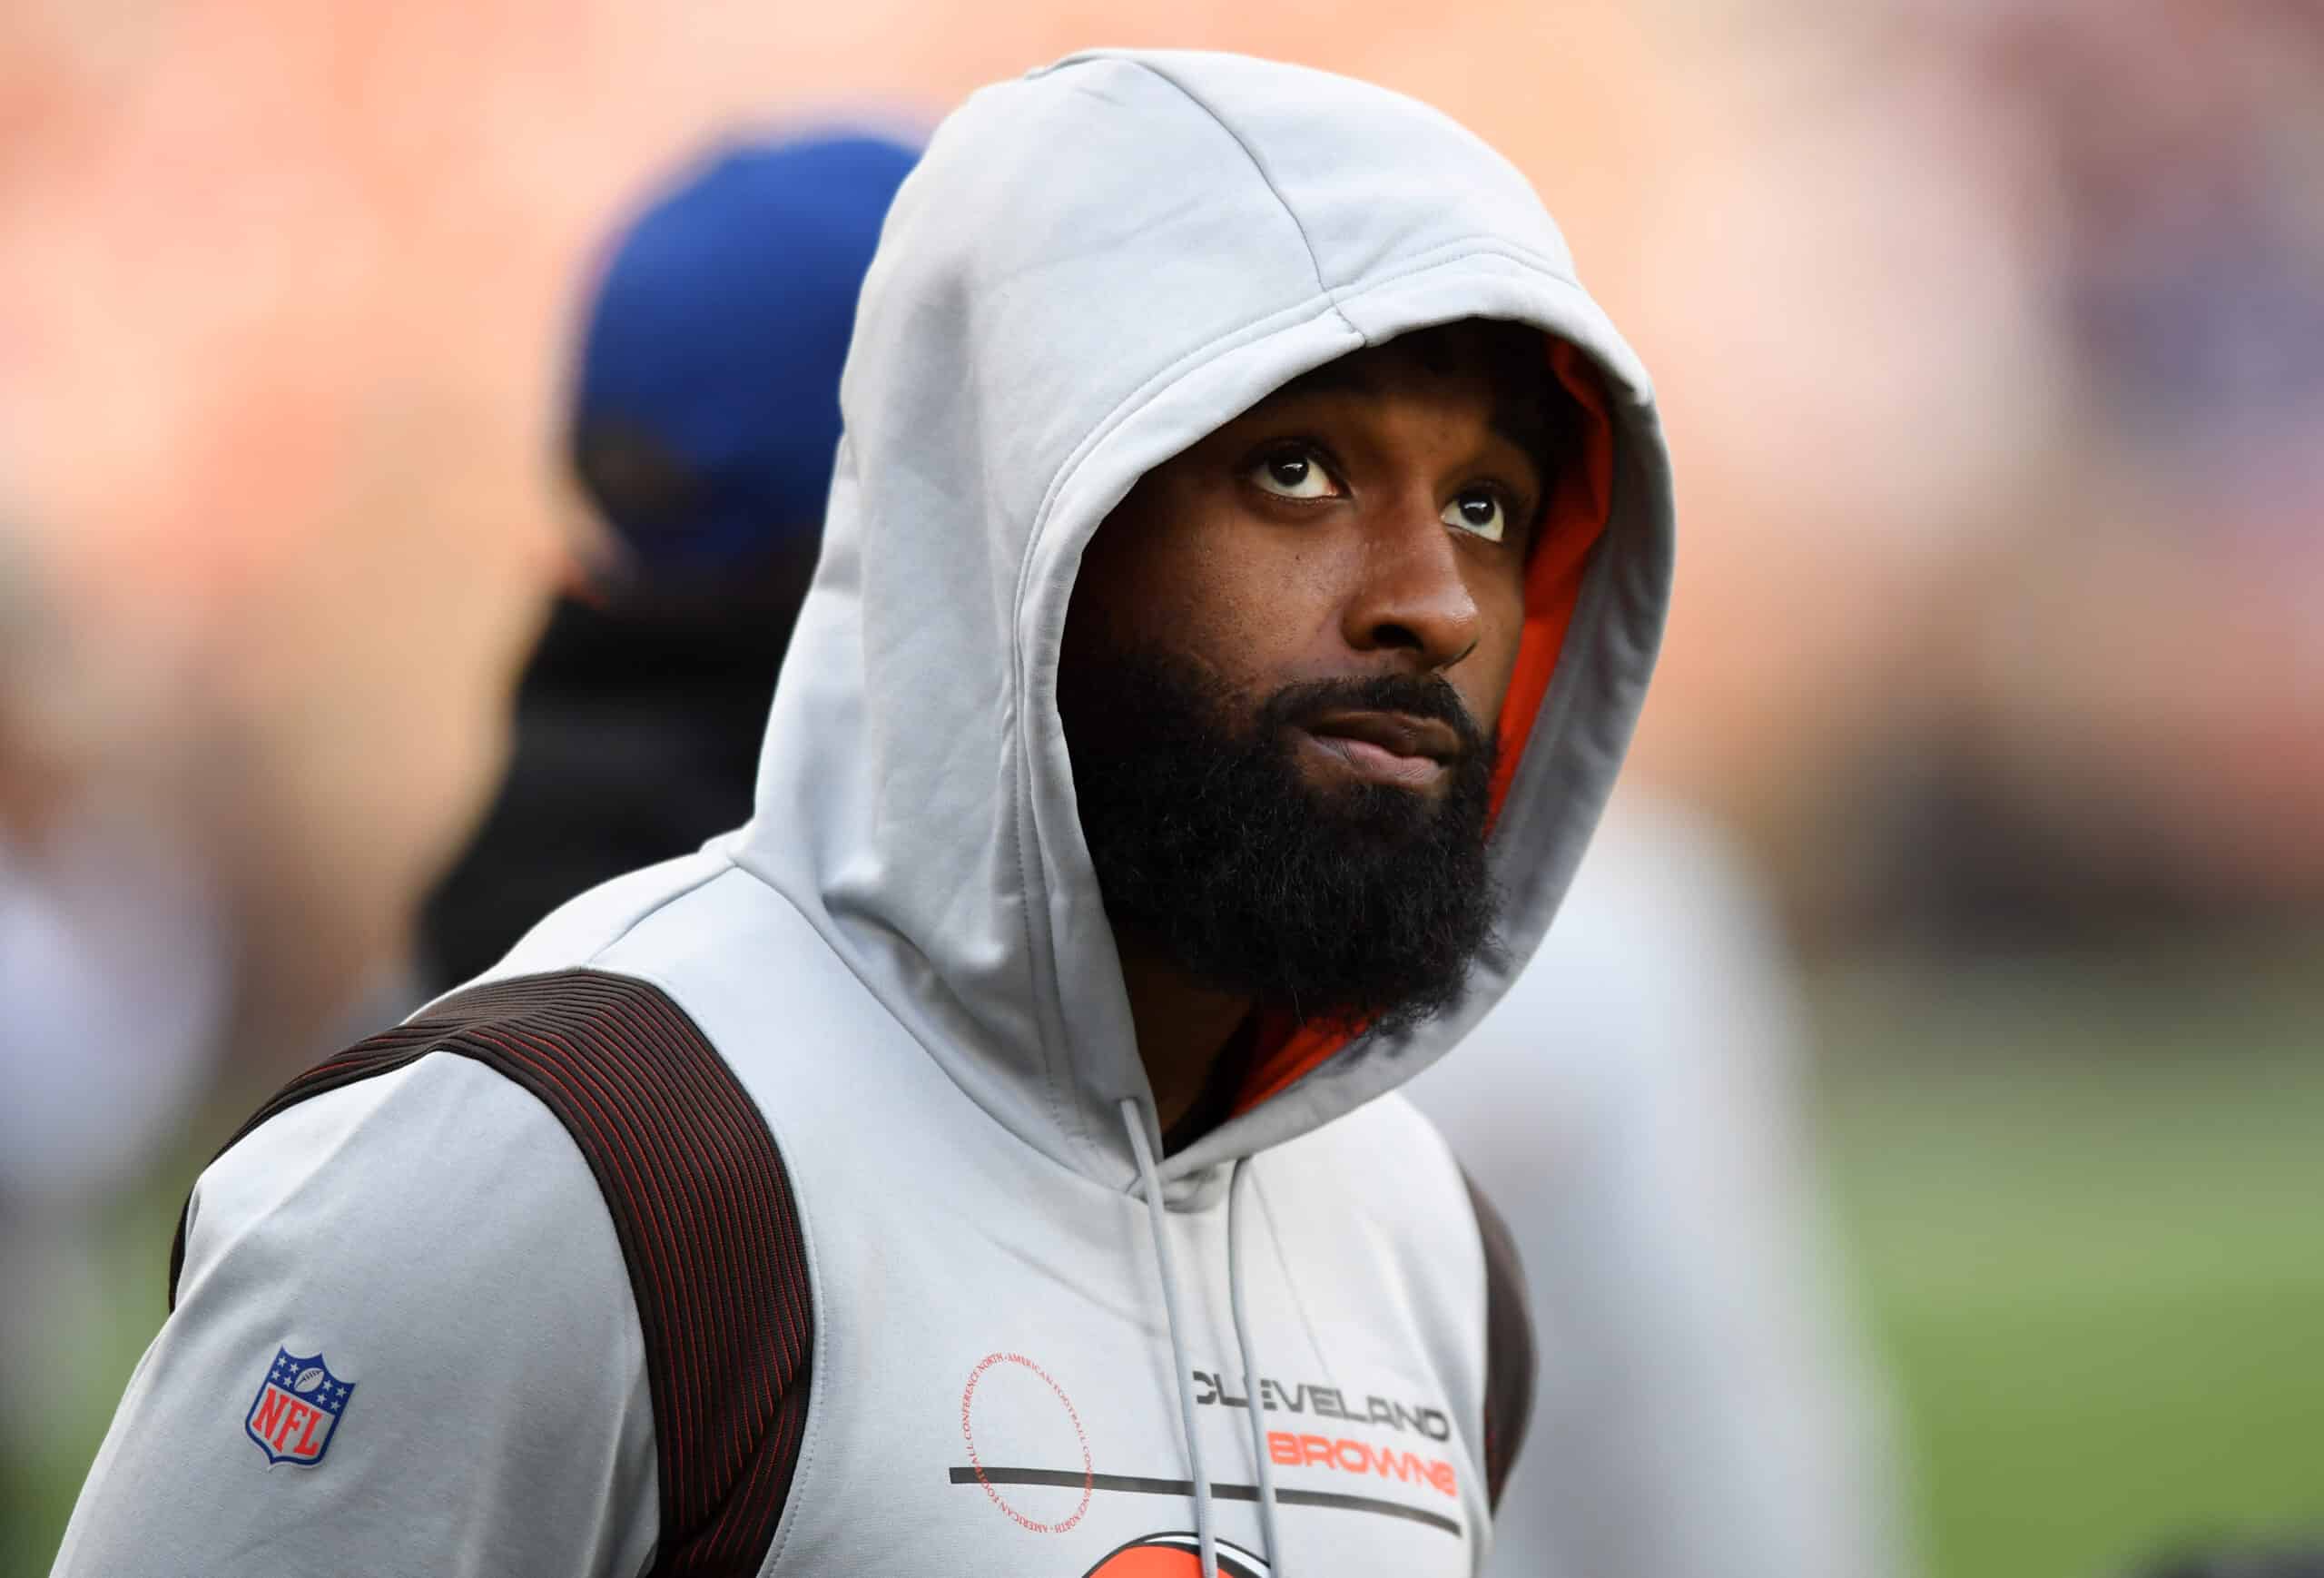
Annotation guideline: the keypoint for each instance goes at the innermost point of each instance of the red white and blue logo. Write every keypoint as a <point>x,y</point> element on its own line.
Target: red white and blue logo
<point>297,1409</point>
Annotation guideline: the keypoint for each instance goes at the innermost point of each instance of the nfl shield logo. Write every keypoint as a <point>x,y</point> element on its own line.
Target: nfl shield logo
<point>297,1409</point>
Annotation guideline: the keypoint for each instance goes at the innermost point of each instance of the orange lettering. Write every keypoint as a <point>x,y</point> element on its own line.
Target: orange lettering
<point>1402,1464</point>
<point>269,1414</point>
<point>1354,1457</point>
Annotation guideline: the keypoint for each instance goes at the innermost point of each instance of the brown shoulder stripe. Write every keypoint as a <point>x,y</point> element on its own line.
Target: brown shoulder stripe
<point>704,1210</point>
<point>1509,1345</point>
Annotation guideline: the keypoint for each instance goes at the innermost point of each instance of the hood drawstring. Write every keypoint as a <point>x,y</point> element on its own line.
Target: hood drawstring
<point>1251,1385</point>
<point>1142,1147</point>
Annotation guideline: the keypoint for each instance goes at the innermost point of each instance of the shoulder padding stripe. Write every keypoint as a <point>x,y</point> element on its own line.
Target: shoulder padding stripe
<point>705,1213</point>
<point>1509,1345</point>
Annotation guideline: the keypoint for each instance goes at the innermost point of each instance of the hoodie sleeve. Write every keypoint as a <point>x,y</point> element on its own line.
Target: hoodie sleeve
<point>404,1341</point>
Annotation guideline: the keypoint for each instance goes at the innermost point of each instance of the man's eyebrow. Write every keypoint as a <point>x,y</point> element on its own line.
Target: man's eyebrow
<point>1519,422</point>
<point>1529,440</point>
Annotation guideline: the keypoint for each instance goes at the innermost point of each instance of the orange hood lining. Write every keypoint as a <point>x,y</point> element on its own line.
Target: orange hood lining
<point>1571,524</point>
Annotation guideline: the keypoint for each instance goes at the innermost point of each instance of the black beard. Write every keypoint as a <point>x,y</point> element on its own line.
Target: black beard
<point>1363,905</point>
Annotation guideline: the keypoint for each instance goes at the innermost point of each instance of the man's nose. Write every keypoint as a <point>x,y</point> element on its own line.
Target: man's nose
<point>1412,596</point>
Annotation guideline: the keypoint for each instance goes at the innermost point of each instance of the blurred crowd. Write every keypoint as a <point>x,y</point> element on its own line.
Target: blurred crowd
<point>1990,335</point>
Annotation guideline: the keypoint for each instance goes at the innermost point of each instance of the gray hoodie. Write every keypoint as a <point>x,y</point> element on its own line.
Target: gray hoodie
<point>510,1333</point>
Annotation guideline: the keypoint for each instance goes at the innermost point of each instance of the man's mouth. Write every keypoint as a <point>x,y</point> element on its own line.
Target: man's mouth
<point>1382,747</point>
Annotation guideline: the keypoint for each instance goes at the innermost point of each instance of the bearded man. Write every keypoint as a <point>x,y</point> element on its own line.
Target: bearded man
<point>1242,569</point>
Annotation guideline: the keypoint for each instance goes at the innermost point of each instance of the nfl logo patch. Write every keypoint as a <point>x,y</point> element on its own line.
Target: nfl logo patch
<point>297,1409</point>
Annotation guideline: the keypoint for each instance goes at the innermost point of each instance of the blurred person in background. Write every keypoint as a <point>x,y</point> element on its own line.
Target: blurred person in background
<point>115,965</point>
<point>116,976</point>
<point>701,428</point>
<point>1705,1407</point>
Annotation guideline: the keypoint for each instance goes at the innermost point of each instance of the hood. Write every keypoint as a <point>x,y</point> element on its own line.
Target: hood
<point>1094,267</point>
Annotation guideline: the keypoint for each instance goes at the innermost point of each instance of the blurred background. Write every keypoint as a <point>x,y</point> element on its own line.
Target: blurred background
<point>1990,335</point>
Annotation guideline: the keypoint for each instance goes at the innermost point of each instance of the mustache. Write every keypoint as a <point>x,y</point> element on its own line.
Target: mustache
<point>1428,696</point>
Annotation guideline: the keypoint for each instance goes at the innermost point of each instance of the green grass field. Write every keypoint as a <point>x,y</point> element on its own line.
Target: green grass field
<point>2084,1211</point>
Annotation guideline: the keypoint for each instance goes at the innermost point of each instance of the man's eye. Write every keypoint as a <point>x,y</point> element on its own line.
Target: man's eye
<point>1294,474</point>
<point>1479,512</point>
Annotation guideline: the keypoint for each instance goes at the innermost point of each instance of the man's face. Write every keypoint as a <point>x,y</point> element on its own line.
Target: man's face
<point>1284,664</point>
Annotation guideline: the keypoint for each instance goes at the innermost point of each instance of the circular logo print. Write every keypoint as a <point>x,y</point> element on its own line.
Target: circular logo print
<point>1013,1416</point>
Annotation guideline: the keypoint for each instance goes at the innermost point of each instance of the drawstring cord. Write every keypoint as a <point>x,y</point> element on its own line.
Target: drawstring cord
<point>1142,1149</point>
<point>1250,1355</point>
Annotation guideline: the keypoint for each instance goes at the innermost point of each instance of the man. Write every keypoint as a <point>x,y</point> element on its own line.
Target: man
<point>1627,1103</point>
<point>1244,564</point>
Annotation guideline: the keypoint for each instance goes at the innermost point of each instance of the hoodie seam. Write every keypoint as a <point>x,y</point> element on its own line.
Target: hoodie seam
<point>1290,1282</point>
<point>1266,179</point>
<point>1542,260</point>
<point>1459,250</point>
<point>660,904</point>
<point>1461,247</point>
